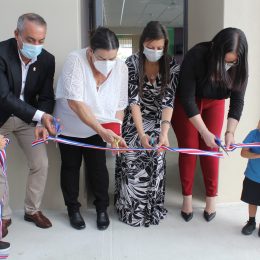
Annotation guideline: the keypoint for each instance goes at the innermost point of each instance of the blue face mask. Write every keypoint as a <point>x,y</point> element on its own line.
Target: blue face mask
<point>31,51</point>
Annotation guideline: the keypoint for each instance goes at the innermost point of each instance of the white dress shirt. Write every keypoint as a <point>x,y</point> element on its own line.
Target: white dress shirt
<point>77,82</point>
<point>25,67</point>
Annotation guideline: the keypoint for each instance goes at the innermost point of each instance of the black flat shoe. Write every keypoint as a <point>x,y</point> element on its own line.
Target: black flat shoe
<point>208,217</point>
<point>102,220</point>
<point>187,216</point>
<point>248,228</point>
<point>76,220</point>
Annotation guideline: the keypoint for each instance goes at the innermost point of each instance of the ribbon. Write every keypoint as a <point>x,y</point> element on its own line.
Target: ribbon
<point>190,151</point>
<point>243,145</point>
<point>3,166</point>
<point>171,149</point>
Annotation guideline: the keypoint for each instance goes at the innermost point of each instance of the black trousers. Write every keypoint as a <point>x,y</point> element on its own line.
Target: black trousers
<point>95,160</point>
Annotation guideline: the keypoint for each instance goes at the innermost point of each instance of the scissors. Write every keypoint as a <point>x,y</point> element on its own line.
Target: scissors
<point>117,141</point>
<point>57,128</point>
<point>152,139</point>
<point>218,142</point>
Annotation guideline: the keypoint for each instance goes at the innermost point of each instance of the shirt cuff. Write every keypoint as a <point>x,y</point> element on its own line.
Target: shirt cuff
<point>38,116</point>
<point>39,124</point>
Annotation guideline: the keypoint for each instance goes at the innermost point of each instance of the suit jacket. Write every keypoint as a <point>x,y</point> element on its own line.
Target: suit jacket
<point>38,90</point>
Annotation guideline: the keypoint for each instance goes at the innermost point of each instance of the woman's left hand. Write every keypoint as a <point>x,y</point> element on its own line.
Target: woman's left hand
<point>163,141</point>
<point>119,144</point>
<point>229,139</point>
<point>122,143</point>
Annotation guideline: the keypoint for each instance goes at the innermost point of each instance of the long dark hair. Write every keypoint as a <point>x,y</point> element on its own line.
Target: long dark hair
<point>103,38</point>
<point>228,40</point>
<point>154,30</point>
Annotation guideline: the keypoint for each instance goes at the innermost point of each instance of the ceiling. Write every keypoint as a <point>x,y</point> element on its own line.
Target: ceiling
<point>137,13</point>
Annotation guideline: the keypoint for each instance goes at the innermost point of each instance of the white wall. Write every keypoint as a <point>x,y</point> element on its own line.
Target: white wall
<point>244,15</point>
<point>67,30</point>
<point>206,18</point>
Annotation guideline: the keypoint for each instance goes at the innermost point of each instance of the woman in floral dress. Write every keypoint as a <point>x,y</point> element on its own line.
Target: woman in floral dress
<point>140,176</point>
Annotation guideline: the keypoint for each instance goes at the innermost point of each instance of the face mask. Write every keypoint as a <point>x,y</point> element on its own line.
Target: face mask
<point>31,51</point>
<point>152,55</point>
<point>104,66</point>
<point>228,66</point>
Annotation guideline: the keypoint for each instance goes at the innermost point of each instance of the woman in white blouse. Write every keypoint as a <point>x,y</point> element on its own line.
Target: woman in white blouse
<point>93,85</point>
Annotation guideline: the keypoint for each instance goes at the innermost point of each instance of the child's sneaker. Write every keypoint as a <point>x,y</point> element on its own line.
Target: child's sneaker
<point>4,245</point>
<point>4,249</point>
<point>248,228</point>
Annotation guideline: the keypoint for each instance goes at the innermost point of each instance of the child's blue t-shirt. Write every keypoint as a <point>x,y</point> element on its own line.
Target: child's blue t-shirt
<point>253,166</point>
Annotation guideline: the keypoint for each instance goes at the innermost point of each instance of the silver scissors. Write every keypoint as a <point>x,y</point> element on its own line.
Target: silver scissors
<point>218,142</point>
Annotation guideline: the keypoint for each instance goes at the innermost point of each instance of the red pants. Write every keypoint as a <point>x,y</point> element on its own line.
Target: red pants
<point>212,113</point>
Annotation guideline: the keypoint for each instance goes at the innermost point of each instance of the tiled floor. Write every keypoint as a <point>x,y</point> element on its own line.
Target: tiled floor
<point>172,239</point>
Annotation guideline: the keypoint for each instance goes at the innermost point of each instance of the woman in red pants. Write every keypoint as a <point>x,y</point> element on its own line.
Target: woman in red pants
<point>210,73</point>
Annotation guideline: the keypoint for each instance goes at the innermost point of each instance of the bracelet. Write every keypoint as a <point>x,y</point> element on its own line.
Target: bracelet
<point>165,122</point>
<point>229,132</point>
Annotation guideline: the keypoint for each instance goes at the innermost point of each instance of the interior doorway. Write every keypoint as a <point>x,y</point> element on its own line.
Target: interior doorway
<point>127,18</point>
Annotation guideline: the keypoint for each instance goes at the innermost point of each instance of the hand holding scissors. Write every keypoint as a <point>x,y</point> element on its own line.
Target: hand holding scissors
<point>218,142</point>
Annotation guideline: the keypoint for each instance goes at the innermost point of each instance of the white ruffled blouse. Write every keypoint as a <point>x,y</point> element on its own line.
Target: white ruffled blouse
<point>77,82</point>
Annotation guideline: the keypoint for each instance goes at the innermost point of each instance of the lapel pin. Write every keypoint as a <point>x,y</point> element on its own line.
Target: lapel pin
<point>34,68</point>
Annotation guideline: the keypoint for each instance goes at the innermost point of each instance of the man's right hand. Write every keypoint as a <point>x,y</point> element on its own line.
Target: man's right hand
<point>40,132</point>
<point>47,121</point>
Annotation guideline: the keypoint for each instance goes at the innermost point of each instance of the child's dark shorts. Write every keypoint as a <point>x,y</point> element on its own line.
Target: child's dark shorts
<point>251,192</point>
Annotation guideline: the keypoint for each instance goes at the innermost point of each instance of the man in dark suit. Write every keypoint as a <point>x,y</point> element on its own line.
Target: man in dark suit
<point>26,99</point>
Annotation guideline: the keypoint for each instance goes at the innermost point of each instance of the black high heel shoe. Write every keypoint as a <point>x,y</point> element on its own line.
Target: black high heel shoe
<point>187,216</point>
<point>208,217</point>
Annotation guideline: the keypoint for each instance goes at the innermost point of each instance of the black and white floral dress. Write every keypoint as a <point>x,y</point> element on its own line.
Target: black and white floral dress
<point>140,176</point>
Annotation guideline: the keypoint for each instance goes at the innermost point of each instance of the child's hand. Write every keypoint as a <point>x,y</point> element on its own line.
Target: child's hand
<point>2,142</point>
<point>258,126</point>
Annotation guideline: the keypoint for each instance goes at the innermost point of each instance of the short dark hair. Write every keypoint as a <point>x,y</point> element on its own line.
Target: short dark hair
<point>32,17</point>
<point>154,30</point>
<point>103,38</point>
<point>228,40</point>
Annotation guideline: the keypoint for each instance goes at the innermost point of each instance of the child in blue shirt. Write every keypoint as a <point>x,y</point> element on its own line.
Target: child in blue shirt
<point>4,246</point>
<point>251,184</point>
